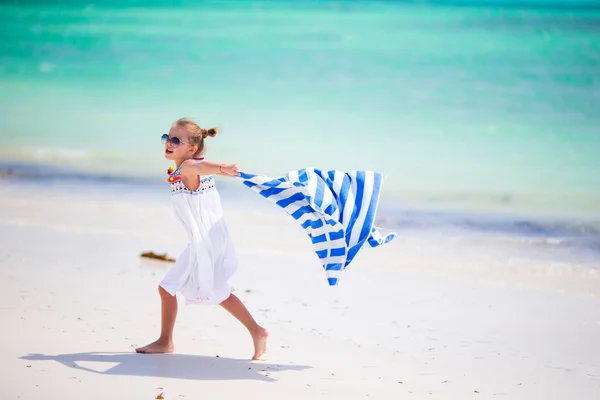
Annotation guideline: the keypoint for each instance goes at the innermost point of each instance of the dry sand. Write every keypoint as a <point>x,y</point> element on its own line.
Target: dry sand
<point>416,319</point>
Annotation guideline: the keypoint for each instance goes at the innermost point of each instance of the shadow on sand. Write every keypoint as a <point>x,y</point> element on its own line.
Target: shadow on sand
<point>177,366</point>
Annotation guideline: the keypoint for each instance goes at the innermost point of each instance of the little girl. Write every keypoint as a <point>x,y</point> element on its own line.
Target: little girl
<point>203,272</point>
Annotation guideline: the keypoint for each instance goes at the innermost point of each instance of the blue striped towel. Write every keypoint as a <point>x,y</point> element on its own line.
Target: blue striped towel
<point>335,208</point>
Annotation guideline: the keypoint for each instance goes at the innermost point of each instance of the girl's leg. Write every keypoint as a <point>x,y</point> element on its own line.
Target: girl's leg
<point>239,311</point>
<point>164,344</point>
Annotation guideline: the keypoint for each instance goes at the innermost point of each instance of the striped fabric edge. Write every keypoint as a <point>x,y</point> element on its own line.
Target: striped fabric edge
<point>336,209</point>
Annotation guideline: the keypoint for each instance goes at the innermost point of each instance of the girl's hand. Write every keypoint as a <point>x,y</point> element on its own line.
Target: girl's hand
<point>229,169</point>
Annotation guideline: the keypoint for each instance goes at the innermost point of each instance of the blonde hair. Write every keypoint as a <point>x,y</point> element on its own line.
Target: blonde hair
<point>196,135</point>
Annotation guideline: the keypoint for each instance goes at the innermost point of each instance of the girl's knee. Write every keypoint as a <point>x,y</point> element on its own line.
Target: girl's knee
<point>163,293</point>
<point>227,300</point>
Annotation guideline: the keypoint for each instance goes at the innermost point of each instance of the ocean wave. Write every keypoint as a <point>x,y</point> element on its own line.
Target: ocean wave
<point>49,153</point>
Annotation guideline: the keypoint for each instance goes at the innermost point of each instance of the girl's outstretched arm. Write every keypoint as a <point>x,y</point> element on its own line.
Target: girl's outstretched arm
<point>191,169</point>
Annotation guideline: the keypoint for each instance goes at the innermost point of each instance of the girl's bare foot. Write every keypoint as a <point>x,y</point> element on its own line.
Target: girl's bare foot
<point>260,342</point>
<point>158,347</point>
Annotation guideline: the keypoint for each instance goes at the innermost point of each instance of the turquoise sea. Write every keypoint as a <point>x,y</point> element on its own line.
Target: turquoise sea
<point>488,106</point>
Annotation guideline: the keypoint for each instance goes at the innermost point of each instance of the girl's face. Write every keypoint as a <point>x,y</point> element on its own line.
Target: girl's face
<point>177,145</point>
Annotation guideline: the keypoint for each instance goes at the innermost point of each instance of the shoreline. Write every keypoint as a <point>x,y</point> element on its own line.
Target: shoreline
<point>478,205</point>
<point>573,240</point>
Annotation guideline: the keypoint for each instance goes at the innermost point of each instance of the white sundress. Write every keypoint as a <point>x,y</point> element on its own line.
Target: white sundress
<point>203,271</point>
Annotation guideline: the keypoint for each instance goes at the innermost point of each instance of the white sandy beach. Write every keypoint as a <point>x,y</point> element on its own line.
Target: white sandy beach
<point>420,318</point>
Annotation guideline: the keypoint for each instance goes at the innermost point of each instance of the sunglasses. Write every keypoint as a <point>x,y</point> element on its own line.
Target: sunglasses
<point>175,142</point>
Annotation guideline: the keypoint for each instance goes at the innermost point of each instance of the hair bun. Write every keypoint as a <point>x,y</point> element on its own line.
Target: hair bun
<point>212,132</point>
